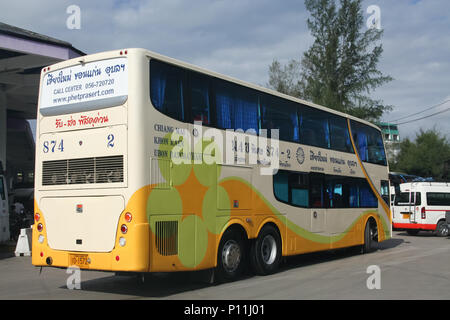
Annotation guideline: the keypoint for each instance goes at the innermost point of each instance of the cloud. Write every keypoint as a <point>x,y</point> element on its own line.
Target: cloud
<point>240,38</point>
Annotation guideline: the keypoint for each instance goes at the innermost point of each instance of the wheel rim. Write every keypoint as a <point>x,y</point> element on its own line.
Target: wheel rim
<point>269,249</point>
<point>231,256</point>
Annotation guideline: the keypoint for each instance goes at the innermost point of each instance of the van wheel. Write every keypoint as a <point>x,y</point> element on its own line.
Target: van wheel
<point>230,256</point>
<point>442,229</point>
<point>265,252</point>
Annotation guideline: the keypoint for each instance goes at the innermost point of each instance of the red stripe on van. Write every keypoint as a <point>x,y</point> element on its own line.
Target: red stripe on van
<point>420,226</point>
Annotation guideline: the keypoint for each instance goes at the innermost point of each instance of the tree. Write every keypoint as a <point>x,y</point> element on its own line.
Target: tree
<point>285,79</point>
<point>339,70</point>
<point>426,156</point>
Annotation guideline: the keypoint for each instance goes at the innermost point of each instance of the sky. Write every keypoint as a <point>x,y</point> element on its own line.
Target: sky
<point>241,38</point>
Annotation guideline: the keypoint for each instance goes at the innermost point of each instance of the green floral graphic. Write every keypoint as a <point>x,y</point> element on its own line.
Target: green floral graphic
<point>165,203</point>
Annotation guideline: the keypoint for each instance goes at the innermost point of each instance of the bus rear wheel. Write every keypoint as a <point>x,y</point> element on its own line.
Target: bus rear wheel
<point>231,255</point>
<point>265,252</point>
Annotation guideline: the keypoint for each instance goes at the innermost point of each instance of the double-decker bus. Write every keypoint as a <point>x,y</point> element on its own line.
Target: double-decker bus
<point>122,182</point>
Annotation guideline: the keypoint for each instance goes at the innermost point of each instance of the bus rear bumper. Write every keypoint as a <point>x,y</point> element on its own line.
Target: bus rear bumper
<point>132,257</point>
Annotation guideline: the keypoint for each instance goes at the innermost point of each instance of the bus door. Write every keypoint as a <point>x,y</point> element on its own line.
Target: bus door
<point>318,200</point>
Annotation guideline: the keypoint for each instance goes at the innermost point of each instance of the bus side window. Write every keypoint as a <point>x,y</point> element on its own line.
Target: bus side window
<point>339,135</point>
<point>199,99</point>
<point>236,107</point>
<point>281,115</point>
<point>369,143</point>
<point>385,191</point>
<point>291,187</point>
<point>317,192</point>
<point>281,186</point>
<point>298,188</point>
<point>167,85</point>
<point>366,197</point>
<point>314,129</point>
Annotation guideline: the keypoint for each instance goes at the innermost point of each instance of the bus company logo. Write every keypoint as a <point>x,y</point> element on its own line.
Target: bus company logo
<point>300,155</point>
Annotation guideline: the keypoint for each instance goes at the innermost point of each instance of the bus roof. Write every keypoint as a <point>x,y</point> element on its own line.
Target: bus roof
<point>151,54</point>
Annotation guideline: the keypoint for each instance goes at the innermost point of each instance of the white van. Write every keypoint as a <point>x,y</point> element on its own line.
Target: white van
<point>4,210</point>
<point>422,206</point>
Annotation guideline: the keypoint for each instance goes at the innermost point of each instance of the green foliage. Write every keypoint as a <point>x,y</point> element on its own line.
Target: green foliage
<point>425,157</point>
<point>284,79</point>
<point>339,70</point>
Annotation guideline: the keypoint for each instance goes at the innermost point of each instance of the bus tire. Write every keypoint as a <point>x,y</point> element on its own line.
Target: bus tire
<point>265,251</point>
<point>442,229</point>
<point>369,231</point>
<point>231,255</point>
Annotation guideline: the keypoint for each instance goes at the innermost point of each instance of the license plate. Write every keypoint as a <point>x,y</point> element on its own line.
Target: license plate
<point>406,215</point>
<point>79,260</point>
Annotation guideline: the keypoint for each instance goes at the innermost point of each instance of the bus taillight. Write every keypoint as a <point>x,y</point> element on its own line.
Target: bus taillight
<point>423,213</point>
<point>128,217</point>
<point>124,228</point>
<point>40,227</point>
<point>37,217</point>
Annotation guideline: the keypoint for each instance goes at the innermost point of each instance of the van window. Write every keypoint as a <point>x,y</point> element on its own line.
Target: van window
<point>438,199</point>
<point>403,199</point>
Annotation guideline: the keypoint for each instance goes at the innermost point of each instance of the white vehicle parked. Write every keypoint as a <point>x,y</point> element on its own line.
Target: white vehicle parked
<point>4,210</point>
<point>422,206</point>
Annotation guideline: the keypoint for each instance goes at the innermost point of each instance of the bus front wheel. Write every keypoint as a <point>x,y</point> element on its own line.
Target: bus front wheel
<point>370,236</point>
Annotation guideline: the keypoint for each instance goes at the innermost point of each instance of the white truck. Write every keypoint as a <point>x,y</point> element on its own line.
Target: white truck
<point>422,206</point>
<point>4,210</point>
